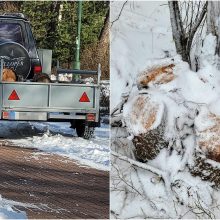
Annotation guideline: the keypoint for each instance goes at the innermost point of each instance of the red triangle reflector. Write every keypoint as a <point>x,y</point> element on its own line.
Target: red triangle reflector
<point>84,98</point>
<point>14,96</point>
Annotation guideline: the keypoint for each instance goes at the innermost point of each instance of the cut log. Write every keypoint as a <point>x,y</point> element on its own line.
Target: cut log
<point>208,137</point>
<point>148,145</point>
<point>142,113</point>
<point>159,75</point>
<point>207,170</point>
<point>144,118</point>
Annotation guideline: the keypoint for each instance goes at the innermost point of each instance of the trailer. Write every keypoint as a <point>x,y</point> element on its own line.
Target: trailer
<point>77,103</point>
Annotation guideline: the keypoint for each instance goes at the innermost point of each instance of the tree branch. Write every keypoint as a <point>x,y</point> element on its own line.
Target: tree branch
<point>196,25</point>
<point>160,173</point>
<point>119,13</point>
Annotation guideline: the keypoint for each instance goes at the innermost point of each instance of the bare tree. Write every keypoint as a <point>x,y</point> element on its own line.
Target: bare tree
<point>213,22</point>
<point>184,29</point>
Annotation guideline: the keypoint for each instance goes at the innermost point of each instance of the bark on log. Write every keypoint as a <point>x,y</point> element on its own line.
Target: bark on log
<point>146,119</point>
<point>206,170</point>
<point>148,145</point>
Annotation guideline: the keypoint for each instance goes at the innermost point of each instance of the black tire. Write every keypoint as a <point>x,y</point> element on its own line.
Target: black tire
<point>83,130</point>
<point>16,57</point>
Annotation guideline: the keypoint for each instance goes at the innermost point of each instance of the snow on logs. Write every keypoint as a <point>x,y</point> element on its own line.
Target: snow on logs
<point>158,75</point>
<point>207,126</point>
<point>144,118</point>
<point>145,115</point>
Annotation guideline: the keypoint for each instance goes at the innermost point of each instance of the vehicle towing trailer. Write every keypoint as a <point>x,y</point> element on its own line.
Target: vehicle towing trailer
<point>33,101</point>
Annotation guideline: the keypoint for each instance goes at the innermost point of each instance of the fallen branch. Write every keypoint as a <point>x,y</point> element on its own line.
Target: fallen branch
<point>116,121</point>
<point>164,175</point>
<point>120,105</point>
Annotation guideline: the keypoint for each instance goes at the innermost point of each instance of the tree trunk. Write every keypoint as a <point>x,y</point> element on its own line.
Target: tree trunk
<point>179,35</point>
<point>105,29</point>
<point>103,47</point>
<point>52,26</point>
<point>183,40</point>
<point>213,22</point>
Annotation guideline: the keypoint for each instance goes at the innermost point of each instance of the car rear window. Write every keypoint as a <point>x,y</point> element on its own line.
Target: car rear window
<point>11,32</point>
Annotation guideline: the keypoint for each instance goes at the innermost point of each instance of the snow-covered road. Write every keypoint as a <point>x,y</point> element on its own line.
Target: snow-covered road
<point>58,138</point>
<point>55,138</point>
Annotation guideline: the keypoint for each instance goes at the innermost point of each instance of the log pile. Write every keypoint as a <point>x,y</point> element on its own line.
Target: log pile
<point>142,121</point>
<point>159,75</point>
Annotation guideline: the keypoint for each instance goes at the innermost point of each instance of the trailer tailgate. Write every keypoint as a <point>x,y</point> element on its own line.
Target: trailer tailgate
<point>48,97</point>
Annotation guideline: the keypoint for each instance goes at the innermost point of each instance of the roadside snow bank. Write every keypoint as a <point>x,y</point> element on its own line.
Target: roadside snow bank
<point>60,139</point>
<point>7,211</point>
<point>93,153</point>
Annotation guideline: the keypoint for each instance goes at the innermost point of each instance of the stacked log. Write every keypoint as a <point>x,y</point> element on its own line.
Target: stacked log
<point>146,120</point>
<point>141,119</point>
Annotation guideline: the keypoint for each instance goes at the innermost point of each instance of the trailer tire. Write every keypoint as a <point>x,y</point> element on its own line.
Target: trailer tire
<point>83,130</point>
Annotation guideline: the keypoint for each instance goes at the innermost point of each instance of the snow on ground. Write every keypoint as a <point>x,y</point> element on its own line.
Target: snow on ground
<point>58,138</point>
<point>55,138</point>
<point>8,211</point>
<point>142,33</point>
<point>139,40</point>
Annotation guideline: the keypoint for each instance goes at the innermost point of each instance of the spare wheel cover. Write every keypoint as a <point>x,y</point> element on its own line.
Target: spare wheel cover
<point>16,57</point>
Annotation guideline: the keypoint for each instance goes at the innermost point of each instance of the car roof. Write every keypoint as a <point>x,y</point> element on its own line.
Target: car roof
<point>13,16</point>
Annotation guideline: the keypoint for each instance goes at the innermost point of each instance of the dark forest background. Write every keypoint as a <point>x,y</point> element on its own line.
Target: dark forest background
<point>54,25</point>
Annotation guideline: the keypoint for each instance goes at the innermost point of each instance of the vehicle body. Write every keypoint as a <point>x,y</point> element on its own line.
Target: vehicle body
<point>74,102</point>
<point>16,28</point>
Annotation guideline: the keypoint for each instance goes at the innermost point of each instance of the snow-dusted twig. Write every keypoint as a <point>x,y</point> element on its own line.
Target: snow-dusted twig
<point>196,25</point>
<point>164,175</point>
<point>120,105</point>
<point>116,121</point>
<point>129,184</point>
<point>119,13</point>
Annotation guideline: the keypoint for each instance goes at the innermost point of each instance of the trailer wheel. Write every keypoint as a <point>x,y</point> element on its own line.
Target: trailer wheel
<point>84,130</point>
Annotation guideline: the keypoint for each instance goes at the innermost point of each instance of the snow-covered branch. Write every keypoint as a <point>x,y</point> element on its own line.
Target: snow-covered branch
<point>164,175</point>
<point>194,28</point>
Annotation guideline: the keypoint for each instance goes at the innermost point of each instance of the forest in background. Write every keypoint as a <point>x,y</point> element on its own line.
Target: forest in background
<point>54,25</point>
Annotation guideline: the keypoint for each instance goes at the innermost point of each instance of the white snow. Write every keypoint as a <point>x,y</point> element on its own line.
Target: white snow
<point>58,138</point>
<point>138,41</point>
<point>141,34</point>
<point>8,211</point>
<point>138,127</point>
<point>55,138</point>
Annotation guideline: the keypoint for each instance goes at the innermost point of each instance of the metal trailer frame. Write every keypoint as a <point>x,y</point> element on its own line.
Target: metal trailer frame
<point>43,100</point>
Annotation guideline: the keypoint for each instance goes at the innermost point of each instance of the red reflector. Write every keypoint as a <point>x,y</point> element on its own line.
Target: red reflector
<point>84,98</point>
<point>5,115</point>
<point>37,69</point>
<point>13,96</point>
<point>90,117</point>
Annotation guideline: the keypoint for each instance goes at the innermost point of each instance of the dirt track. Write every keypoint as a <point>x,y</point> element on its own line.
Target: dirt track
<point>55,186</point>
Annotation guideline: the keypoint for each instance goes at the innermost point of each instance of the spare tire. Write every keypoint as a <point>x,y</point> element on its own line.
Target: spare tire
<point>16,57</point>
